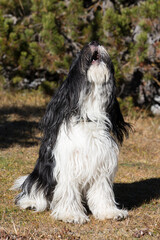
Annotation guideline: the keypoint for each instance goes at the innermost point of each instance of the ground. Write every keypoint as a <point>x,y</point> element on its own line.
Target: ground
<point>137,183</point>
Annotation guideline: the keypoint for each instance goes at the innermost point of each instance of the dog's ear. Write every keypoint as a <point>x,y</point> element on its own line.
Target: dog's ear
<point>57,110</point>
<point>120,128</point>
<point>63,105</point>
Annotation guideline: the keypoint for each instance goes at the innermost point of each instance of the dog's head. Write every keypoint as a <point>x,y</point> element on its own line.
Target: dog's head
<point>93,60</point>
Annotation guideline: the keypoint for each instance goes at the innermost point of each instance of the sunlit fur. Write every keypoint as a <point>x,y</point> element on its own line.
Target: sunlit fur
<point>83,128</point>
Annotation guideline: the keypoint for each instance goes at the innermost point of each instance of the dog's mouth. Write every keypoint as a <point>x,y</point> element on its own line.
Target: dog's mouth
<point>95,57</point>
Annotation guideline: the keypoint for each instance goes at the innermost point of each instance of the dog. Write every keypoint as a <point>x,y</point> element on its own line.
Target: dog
<point>83,129</point>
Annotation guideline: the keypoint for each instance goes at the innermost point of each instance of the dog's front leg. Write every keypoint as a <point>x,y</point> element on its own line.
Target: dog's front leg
<point>101,200</point>
<point>67,205</point>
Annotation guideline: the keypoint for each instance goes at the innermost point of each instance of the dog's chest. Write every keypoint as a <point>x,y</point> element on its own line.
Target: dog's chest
<point>81,151</point>
<point>93,104</point>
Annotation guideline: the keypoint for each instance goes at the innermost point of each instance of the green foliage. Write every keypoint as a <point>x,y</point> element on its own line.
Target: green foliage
<point>150,9</point>
<point>141,47</point>
<point>96,28</point>
<point>50,34</point>
<point>38,35</point>
<point>120,24</point>
<point>16,8</point>
<point>145,26</point>
<point>117,23</point>
<point>74,19</point>
<point>47,87</point>
<point>16,80</point>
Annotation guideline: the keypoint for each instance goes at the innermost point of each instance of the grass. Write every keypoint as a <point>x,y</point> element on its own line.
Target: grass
<point>137,183</point>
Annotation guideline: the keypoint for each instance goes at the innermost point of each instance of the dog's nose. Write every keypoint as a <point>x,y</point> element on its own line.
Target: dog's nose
<point>94,43</point>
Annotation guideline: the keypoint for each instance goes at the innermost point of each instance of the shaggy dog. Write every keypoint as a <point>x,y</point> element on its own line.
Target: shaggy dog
<point>83,128</point>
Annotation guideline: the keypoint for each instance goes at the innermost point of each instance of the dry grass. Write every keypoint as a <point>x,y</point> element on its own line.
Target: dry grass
<point>137,184</point>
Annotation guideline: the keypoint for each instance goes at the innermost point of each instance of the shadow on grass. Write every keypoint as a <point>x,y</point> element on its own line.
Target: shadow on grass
<point>132,195</point>
<point>20,132</point>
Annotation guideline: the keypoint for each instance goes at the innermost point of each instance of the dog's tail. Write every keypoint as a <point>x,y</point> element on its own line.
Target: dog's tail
<point>18,183</point>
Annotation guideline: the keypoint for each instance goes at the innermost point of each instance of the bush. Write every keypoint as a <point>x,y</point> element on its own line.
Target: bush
<point>40,38</point>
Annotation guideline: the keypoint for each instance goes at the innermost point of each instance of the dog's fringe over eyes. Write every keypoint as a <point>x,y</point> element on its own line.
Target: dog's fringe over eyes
<point>82,130</point>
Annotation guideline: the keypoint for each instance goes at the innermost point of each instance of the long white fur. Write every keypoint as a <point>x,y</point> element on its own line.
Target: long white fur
<point>86,161</point>
<point>35,200</point>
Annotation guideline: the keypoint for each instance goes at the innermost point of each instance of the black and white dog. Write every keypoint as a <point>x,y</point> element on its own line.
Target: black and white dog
<point>83,128</point>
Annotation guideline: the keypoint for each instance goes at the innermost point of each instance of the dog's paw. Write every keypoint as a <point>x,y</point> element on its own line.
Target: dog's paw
<point>121,214</point>
<point>70,218</point>
<point>115,213</point>
<point>25,202</point>
<point>77,219</point>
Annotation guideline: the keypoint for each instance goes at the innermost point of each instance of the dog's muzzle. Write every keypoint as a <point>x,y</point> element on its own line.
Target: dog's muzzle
<point>95,51</point>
